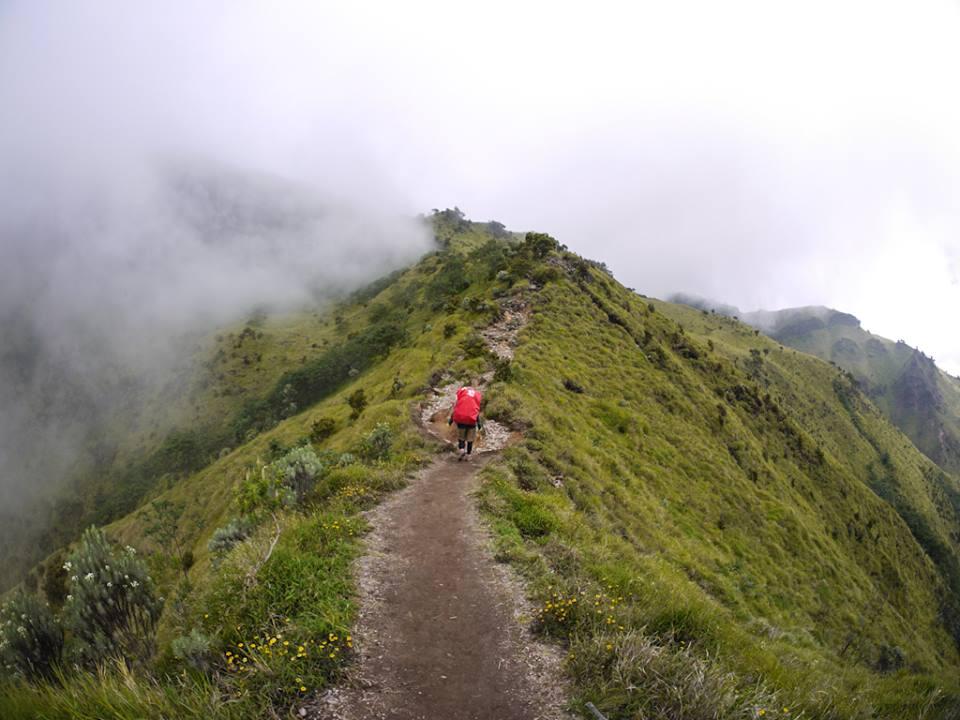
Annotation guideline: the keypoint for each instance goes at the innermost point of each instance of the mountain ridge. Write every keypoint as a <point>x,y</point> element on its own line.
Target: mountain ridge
<point>703,518</point>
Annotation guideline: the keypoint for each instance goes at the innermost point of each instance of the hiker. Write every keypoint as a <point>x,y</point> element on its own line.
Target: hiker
<point>466,414</point>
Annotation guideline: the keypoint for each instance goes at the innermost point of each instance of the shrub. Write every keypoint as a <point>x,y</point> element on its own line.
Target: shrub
<point>357,402</point>
<point>225,538</point>
<point>54,580</point>
<point>475,305</point>
<point>194,650</point>
<point>322,428</point>
<point>31,640</point>
<point>449,281</point>
<point>262,490</point>
<point>503,371</point>
<point>112,607</point>
<point>161,521</point>
<point>376,445</point>
<point>539,245</point>
<point>545,274</point>
<point>299,470</point>
<point>474,346</point>
<point>449,330</point>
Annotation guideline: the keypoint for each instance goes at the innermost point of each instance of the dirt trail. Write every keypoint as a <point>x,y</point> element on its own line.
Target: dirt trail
<point>443,629</point>
<point>441,632</point>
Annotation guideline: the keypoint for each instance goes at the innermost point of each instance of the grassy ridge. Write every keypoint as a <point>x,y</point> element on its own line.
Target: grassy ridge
<point>905,384</point>
<point>714,526</point>
<point>723,486</point>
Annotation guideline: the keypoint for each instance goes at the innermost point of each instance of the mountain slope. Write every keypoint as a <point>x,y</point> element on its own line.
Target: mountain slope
<point>711,525</point>
<point>913,392</point>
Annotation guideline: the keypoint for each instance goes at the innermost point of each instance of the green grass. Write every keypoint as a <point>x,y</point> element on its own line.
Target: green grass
<point>710,524</point>
<point>730,502</point>
<point>917,397</point>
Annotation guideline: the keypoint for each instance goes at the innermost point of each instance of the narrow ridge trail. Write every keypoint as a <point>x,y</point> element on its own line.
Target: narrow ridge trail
<point>443,628</point>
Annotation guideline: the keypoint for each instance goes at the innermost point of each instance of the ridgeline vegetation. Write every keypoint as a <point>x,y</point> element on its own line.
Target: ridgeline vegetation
<point>711,525</point>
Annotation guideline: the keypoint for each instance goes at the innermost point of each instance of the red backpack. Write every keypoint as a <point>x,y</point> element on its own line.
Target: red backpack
<point>467,409</point>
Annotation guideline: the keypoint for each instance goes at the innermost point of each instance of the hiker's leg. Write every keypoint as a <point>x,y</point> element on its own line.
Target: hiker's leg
<point>469,447</point>
<point>470,437</point>
<point>461,436</point>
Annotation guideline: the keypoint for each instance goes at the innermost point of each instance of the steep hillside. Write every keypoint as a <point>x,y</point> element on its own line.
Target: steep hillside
<point>712,525</point>
<point>918,397</point>
<point>164,431</point>
<point>119,361</point>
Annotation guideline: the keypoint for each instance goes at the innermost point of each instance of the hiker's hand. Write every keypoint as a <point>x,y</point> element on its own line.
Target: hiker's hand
<point>450,421</point>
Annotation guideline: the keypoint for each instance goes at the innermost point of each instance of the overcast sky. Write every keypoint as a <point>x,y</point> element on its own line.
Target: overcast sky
<point>765,154</point>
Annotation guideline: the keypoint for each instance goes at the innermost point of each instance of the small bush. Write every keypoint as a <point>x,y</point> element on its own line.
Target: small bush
<point>474,346</point>
<point>503,371</point>
<point>545,274</point>
<point>225,538</point>
<point>357,402</point>
<point>322,428</point>
<point>475,305</point>
<point>376,445</point>
<point>112,607</point>
<point>54,580</point>
<point>194,650</point>
<point>299,470</point>
<point>539,245</point>
<point>31,639</point>
<point>262,490</point>
<point>449,330</point>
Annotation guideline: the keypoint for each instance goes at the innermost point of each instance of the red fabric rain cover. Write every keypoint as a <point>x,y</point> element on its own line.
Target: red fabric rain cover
<point>467,409</point>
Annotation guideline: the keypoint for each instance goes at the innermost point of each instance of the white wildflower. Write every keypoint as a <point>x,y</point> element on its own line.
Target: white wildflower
<point>88,577</point>
<point>130,550</point>
<point>68,566</point>
<point>134,584</point>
